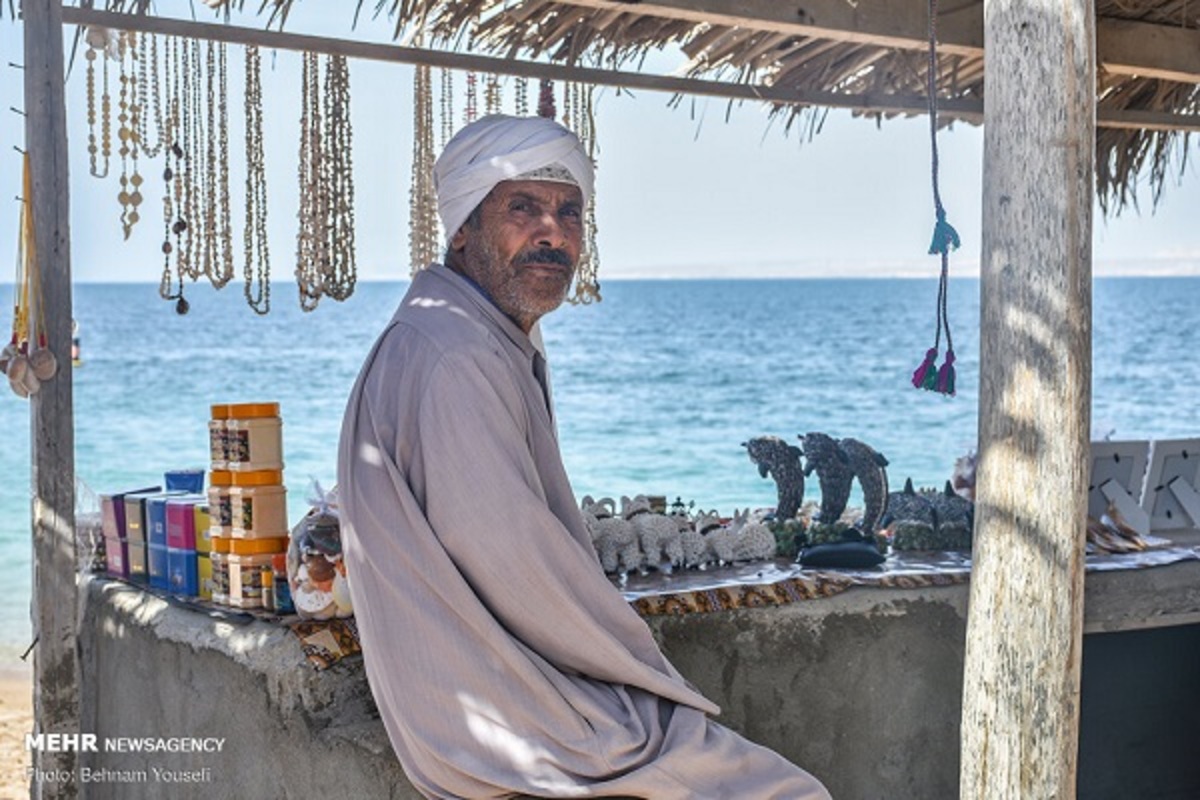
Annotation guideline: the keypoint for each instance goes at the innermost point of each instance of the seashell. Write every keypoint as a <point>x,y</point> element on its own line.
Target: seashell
<point>18,388</point>
<point>31,382</point>
<point>96,37</point>
<point>9,352</point>
<point>43,363</point>
<point>341,596</point>
<point>17,367</point>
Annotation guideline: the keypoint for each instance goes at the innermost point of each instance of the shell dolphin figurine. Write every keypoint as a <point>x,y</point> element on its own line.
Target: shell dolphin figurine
<point>823,455</point>
<point>870,467</point>
<point>782,461</point>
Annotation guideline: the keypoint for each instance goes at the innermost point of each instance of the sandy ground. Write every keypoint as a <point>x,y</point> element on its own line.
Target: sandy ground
<point>16,719</point>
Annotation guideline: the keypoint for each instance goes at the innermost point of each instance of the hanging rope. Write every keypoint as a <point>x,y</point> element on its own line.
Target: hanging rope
<point>945,238</point>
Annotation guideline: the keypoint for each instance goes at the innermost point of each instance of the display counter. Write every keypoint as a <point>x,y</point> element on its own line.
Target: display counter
<point>862,685</point>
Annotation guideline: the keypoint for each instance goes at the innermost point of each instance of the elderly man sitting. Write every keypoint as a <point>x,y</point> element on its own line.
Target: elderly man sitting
<point>502,659</point>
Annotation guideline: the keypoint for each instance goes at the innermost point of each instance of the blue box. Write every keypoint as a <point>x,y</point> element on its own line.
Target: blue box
<point>185,480</point>
<point>157,566</point>
<point>156,517</point>
<point>181,570</point>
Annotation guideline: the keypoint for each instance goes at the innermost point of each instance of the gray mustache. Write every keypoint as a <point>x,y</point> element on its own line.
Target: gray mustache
<point>546,256</point>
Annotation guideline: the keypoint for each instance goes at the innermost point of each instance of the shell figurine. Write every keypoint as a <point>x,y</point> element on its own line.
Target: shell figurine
<point>782,461</point>
<point>870,467</point>
<point>753,542</point>
<point>823,455</point>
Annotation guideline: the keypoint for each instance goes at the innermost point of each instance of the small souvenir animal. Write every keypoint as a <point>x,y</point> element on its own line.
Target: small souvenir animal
<point>909,506</point>
<point>753,542</point>
<point>720,545</point>
<point>823,455</point>
<point>781,461</point>
<point>955,518</point>
<point>870,467</point>
<point>604,507</point>
<point>695,549</point>
<point>616,544</point>
<point>657,534</point>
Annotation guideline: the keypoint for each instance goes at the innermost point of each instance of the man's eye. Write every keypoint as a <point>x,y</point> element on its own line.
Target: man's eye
<point>571,212</point>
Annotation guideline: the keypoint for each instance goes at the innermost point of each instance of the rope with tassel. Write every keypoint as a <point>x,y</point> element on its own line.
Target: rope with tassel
<point>928,375</point>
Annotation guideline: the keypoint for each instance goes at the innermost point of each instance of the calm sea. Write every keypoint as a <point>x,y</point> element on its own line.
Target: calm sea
<point>655,387</point>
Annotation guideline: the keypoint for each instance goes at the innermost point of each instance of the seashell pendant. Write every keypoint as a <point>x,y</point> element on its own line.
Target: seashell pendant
<point>31,382</point>
<point>17,367</point>
<point>43,363</point>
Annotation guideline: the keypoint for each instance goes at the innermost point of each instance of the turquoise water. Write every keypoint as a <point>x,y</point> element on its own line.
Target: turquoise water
<point>656,387</point>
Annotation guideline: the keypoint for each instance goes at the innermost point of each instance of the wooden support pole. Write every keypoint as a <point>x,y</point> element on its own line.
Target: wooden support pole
<point>55,694</point>
<point>1020,722</point>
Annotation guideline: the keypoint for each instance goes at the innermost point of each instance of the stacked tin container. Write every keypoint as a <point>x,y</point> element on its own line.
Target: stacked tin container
<point>247,502</point>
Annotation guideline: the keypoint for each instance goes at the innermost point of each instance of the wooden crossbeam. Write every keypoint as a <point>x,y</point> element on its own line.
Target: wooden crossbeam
<point>966,110</point>
<point>1123,47</point>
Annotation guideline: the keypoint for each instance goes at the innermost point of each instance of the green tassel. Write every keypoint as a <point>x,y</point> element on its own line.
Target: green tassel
<point>931,380</point>
<point>945,238</point>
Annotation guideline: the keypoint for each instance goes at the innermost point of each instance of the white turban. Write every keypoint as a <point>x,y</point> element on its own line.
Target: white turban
<point>499,148</point>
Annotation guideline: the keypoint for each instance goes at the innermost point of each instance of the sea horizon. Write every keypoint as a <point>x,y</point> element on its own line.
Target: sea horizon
<point>655,387</point>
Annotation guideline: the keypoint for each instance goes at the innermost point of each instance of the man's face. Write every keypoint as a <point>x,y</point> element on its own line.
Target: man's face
<point>525,247</point>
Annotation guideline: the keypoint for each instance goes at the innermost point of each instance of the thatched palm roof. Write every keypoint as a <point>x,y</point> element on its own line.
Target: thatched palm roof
<point>874,51</point>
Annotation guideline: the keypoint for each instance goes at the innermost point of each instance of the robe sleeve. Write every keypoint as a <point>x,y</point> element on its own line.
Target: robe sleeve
<point>485,503</point>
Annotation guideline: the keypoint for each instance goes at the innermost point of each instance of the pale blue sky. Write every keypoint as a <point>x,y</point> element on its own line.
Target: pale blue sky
<point>681,192</point>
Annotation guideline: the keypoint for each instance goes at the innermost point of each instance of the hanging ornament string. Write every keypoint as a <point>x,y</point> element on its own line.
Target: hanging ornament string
<point>580,117</point>
<point>27,359</point>
<point>492,101</point>
<point>340,273</point>
<point>256,268</point>
<point>310,243</point>
<point>521,98</point>
<point>945,238</point>
<point>97,40</point>
<point>325,261</point>
<point>422,201</point>
<point>148,92</point>
<point>130,195</point>
<point>546,99</point>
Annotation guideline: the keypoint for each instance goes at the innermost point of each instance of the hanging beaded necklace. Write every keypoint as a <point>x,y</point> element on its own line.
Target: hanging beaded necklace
<point>325,261</point>
<point>256,268</point>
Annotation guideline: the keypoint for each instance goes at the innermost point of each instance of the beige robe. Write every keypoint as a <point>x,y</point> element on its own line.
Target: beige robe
<point>501,658</point>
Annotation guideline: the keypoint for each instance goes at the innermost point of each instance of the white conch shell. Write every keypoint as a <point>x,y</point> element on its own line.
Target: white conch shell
<point>17,368</point>
<point>43,363</point>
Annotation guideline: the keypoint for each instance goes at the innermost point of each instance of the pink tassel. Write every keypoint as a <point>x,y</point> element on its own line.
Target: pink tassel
<point>945,380</point>
<point>922,372</point>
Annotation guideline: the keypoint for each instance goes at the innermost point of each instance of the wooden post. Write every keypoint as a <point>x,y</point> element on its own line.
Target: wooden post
<point>1020,723</point>
<point>55,694</point>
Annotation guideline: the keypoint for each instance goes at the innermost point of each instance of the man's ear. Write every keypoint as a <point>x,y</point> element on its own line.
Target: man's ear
<point>459,240</point>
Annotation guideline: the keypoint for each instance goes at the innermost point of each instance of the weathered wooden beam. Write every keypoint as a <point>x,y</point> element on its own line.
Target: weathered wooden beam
<point>961,109</point>
<point>966,110</point>
<point>1020,717</point>
<point>56,670</point>
<point>1124,47</point>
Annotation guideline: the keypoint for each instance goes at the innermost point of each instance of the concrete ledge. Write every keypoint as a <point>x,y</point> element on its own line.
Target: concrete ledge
<point>153,669</point>
<point>863,689</point>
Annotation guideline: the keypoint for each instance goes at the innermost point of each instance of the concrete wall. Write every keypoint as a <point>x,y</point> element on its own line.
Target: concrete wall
<point>863,689</point>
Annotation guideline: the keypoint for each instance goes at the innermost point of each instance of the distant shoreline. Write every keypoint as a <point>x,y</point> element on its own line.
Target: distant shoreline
<point>929,273</point>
